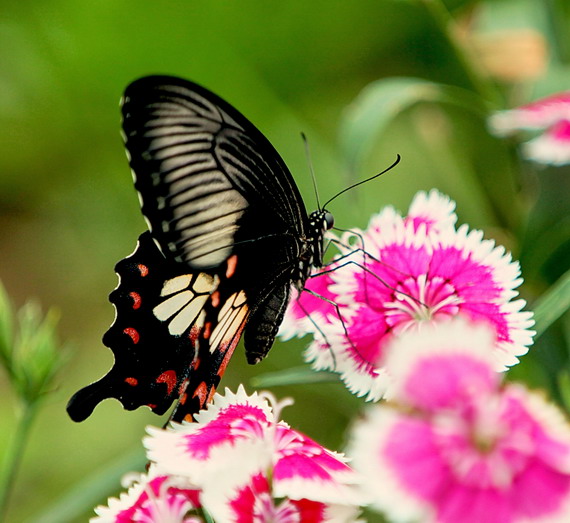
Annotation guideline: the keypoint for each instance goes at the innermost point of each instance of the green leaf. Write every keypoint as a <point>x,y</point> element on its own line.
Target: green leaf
<point>89,492</point>
<point>293,376</point>
<point>552,304</point>
<point>378,104</point>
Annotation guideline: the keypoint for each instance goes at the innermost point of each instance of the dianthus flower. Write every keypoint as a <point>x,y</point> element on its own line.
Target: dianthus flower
<point>551,117</point>
<point>409,271</point>
<point>454,444</point>
<point>151,498</point>
<point>239,463</point>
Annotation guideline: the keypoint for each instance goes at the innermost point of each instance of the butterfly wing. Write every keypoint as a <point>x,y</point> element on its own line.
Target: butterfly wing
<point>172,336</point>
<point>211,186</point>
<point>208,180</point>
<point>228,226</point>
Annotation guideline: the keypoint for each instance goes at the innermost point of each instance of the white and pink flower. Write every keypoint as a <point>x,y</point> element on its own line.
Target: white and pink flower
<point>410,271</point>
<point>239,437</point>
<point>239,463</point>
<point>454,444</point>
<point>152,498</point>
<point>551,117</point>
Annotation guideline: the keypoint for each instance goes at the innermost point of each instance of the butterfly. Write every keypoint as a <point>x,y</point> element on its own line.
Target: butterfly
<point>228,238</point>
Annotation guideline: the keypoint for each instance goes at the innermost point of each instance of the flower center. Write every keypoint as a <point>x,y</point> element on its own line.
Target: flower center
<point>421,299</point>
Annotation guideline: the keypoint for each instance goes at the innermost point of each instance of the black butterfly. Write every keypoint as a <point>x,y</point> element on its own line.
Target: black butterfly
<point>229,235</point>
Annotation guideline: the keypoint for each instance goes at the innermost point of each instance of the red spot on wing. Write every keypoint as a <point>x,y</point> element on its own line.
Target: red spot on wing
<point>136,299</point>
<point>168,377</point>
<point>215,299</point>
<point>143,269</point>
<point>207,330</point>
<point>194,334</point>
<point>231,268</point>
<point>133,334</point>
<point>151,405</point>
<point>201,393</point>
<point>133,382</point>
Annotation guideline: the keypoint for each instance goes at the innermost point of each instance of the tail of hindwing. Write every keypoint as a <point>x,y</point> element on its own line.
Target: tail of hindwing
<point>153,352</point>
<point>173,335</point>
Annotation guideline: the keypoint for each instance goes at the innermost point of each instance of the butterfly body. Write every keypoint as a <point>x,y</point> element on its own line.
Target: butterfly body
<point>228,237</point>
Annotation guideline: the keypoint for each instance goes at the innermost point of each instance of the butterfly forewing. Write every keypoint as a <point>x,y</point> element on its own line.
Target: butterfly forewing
<point>202,169</point>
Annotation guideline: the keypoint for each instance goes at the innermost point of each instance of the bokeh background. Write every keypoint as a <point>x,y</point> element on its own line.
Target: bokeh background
<point>68,211</point>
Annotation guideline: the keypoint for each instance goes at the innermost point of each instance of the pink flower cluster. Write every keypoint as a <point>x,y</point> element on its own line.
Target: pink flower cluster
<point>549,116</point>
<point>402,274</point>
<point>238,463</point>
<point>454,444</point>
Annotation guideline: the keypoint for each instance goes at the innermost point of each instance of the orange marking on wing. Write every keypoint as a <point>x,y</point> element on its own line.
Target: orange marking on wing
<point>201,393</point>
<point>211,395</point>
<point>207,330</point>
<point>136,299</point>
<point>232,263</point>
<point>143,269</point>
<point>133,334</point>
<point>168,377</point>
<point>183,398</point>
<point>216,299</point>
<point>196,363</point>
<point>194,333</point>
<point>182,387</point>
<point>133,382</point>
<point>230,350</point>
<point>188,418</point>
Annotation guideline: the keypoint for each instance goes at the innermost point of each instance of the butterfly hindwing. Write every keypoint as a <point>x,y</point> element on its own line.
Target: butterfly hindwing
<point>216,347</point>
<point>171,333</point>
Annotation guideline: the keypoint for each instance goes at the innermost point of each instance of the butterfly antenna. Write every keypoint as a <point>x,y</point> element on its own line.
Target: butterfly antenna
<point>308,155</point>
<point>398,158</point>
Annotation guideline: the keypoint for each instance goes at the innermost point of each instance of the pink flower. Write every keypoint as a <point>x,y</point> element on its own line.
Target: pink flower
<point>254,501</point>
<point>238,463</point>
<point>416,270</point>
<point>549,115</point>
<point>456,445</point>
<point>242,458</point>
<point>150,499</point>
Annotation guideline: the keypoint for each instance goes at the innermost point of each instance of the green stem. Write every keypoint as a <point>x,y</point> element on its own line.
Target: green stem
<point>14,456</point>
<point>445,22</point>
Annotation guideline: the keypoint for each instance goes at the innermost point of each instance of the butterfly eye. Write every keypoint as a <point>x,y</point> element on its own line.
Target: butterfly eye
<point>329,221</point>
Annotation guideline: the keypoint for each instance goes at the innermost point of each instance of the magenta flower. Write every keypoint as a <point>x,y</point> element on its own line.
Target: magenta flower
<point>242,458</point>
<point>456,445</point>
<point>151,498</point>
<point>238,463</point>
<point>416,270</point>
<point>551,117</point>
<point>254,501</point>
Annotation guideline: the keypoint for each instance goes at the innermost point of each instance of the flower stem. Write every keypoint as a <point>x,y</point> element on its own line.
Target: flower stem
<point>445,22</point>
<point>14,455</point>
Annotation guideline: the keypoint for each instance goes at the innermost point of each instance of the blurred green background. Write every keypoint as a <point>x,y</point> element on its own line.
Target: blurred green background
<point>68,211</point>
